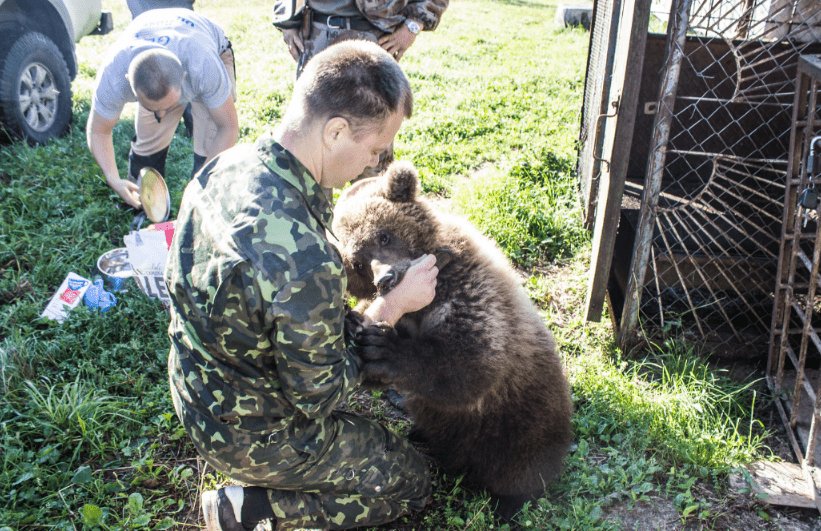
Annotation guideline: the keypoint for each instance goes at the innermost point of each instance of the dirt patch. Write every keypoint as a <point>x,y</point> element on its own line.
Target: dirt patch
<point>657,514</point>
<point>18,290</point>
<point>730,512</point>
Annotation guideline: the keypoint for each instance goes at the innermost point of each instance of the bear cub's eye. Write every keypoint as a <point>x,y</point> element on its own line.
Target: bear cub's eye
<point>384,240</point>
<point>357,266</point>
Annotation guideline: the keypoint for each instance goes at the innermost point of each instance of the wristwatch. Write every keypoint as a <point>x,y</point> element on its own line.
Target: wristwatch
<point>413,26</point>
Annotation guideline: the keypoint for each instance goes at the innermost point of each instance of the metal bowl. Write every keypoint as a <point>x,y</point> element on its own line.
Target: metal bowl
<point>115,263</point>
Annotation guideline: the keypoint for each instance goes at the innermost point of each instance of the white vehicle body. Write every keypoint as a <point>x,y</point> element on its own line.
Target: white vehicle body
<point>38,62</point>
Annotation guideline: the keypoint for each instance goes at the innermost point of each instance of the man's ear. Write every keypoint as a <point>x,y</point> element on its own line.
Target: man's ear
<point>335,130</point>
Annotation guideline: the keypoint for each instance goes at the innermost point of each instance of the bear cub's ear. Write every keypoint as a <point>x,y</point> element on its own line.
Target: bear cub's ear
<point>401,182</point>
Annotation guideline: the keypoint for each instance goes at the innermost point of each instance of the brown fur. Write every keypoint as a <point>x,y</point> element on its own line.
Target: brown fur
<point>479,370</point>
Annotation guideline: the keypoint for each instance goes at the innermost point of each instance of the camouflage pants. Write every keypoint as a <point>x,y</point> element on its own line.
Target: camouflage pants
<point>360,474</point>
<point>323,36</point>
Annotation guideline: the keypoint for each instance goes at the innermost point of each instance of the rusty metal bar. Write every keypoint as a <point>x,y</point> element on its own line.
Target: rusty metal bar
<point>723,156</point>
<point>701,99</point>
<point>798,330</point>
<point>799,298</point>
<point>807,334</point>
<point>676,37</point>
<point>813,434</point>
<point>743,27</point>
<point>795,360</point>
<point>658,286</point>
<point>786,265</point>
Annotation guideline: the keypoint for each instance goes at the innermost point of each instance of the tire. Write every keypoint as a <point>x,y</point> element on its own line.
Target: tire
<point>35,89</point>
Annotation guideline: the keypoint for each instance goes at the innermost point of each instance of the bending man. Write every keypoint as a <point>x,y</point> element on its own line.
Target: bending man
<point>165,59</point>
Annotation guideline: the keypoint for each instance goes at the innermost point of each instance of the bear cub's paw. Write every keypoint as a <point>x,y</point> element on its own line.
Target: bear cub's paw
<point>379,347</point>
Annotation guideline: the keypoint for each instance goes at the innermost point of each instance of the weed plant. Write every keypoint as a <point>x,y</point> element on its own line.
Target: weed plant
<point>89,438</point>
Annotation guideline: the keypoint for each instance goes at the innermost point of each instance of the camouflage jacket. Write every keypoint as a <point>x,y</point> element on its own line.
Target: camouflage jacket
<point>257,348</point>
<point>384,14</point>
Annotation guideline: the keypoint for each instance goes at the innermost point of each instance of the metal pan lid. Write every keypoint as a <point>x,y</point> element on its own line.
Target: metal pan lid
<point>154,195</point>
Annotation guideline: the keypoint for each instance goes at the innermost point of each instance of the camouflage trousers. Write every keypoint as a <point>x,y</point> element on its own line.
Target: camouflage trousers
<point>323,36</point>
<point>360,474</point>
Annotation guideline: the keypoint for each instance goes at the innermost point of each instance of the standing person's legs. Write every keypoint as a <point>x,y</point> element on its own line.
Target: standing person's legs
<point>205,130</point>
<point>323,36</point>
<point>365,476</point>
<point>149,147</point>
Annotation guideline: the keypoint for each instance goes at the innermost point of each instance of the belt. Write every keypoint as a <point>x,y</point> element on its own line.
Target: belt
<point>351,23</point>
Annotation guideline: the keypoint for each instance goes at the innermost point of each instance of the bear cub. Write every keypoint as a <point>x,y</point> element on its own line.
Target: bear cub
<point>478,369</point>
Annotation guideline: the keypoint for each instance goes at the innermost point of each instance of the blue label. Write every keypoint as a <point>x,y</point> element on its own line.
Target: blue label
<point>186,21</point>
<point>162,40</point>
<point>76,284</point>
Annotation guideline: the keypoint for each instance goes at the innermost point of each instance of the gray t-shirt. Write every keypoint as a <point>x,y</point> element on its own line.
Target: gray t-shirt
<point>194,39</point>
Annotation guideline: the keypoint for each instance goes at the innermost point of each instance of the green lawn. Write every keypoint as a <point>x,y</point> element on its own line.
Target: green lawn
<point>89,437</point>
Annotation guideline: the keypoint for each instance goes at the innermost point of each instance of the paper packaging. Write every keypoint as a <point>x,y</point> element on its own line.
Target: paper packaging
<point>147,252</point>
<point>67,297</point>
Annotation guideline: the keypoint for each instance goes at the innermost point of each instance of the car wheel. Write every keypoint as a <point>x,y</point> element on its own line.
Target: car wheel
<point>35,89</point>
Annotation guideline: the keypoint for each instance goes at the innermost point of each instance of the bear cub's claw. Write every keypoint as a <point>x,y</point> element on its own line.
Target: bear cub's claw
<point>353,323</point>
<point>376,342</point>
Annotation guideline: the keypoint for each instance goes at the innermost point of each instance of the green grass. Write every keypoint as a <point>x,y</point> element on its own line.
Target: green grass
<point>673,402</point>
<point>89,437</point>
<point>530,208</point>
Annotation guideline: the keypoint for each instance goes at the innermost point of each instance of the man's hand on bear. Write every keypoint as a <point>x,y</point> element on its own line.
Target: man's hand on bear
<point>416,290</point>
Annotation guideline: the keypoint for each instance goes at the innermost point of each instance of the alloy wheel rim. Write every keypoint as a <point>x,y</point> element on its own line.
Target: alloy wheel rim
<point>38,97</point>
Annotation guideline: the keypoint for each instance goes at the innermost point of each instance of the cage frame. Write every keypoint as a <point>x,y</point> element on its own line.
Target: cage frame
<point>792,259</point>
<point>777,38</point>
<point>603,173</point>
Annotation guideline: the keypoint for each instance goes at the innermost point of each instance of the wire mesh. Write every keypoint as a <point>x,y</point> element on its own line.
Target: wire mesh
<point>716,221</point>
<point>597,84</point>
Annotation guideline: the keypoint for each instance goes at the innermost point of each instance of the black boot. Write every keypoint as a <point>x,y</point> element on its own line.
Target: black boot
<point>138,162</point>
<point>199,162</point>
<point>236,508</point>
<point>188,121</point>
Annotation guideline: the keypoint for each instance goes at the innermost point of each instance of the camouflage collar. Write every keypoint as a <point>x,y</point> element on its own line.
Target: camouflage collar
<point>285,165</point>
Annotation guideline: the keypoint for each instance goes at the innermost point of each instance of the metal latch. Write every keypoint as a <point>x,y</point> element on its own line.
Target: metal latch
<point>615,105</point>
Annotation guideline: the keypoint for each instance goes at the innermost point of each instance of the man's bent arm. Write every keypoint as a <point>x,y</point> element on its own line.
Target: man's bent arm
<point>101,144</point>
<point>225,117</point>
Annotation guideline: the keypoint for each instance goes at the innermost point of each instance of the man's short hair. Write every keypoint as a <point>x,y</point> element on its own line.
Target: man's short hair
<point>154,73</point>
<point>356,80</point>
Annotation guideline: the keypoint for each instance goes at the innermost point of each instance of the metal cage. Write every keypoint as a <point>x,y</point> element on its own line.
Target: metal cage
<point>699,143</point>
<point>696,251</point>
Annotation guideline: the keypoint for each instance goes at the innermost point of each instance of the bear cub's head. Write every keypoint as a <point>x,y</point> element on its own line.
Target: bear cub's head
<point>382,226</point>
